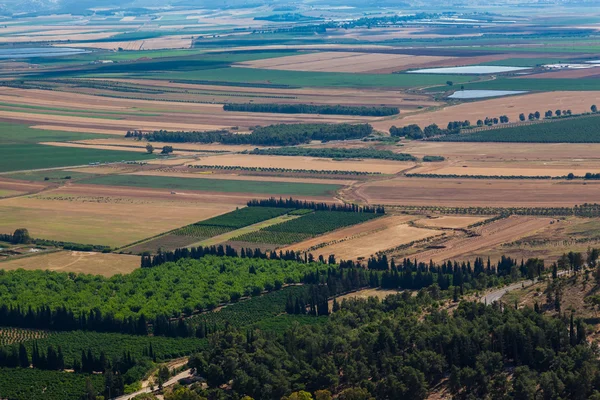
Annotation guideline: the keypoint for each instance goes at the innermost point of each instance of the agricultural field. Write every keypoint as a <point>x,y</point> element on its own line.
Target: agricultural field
<point>220,163</point>
<point>511,106</point>
<point>97,215</point>
<point>307,226</point>
<point>457,192</point>
<point>76,261</point>
<point>367,239</point>
<point>575,130</point>
<point>487,237</point>
<point>312,163</point>
<point>217,185</point>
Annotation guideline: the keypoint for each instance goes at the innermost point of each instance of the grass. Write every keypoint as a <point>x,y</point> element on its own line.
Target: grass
<point>17,157</point>
<point>538,84</point>
<point>216,185</point>
<point>300,78</point>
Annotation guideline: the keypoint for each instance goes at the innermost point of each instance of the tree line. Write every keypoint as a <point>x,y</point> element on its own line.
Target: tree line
<point>338,153</point>
<point>272,135</point>
<point>378,111</point>
<point>312,205</point>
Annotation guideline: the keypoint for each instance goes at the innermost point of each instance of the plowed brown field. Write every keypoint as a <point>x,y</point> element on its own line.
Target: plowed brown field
<point>490,235</point>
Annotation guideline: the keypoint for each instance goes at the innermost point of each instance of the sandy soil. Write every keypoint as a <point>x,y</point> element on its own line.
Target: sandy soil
<point>78,262</point>
<point>490,235</point>
<point>322,164</point>
<point>343,62</point>
<point>449,221</point>
<point>511,106</point>
<point>478,192</point>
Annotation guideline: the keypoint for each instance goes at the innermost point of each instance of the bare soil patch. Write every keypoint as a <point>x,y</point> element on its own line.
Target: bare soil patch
<point>449,221</point>
<point>76,261</point>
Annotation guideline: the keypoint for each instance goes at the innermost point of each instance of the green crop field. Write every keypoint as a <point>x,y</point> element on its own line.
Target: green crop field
<point>299,78</point>
<point>18,133</point>
<point>305,227</point>
<point>17,157</point>
<point>571,130</point>
<point>217,185</point>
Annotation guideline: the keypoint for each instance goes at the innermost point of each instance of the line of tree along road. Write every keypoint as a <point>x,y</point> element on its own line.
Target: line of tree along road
<point>377,111</point>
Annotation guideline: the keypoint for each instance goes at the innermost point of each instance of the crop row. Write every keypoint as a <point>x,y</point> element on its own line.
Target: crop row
<point>309,225</point>
<point>37,384</point>
<point>17,335</point>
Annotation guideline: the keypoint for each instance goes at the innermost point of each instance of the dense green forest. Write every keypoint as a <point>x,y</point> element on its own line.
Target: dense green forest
<point>404,346</point>
<point>338,153</point>
<point>312,109</point>
<point>272,135</point>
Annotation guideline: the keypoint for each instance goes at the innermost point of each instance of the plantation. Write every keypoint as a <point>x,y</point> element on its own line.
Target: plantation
<point>230,221</point>
<point>114,345</point>
<point>248,312</point>
<point>36,384</point>
<point>571,130</point>
<point>168,289</point>
<point>17,335</point>
<point>306,226</point>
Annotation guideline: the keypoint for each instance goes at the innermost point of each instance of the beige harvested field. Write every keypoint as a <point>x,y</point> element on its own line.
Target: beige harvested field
<point>92,215</point>
<point>510,153</point>
<point>511,106</point>
<point>452,222</point>
<point>525,169</point>
<point>92,146</point>
<point>344,62</point>
<point>321,164</point>
<point>365,239</point>
<point>489,236</point>
<point>385,239</point>
<point>78,262</point>
<point>457,192</point>
<point>55,38</point>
